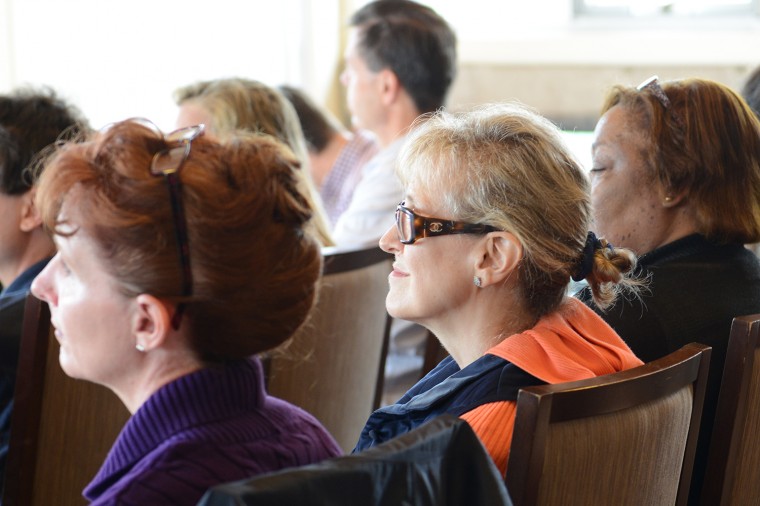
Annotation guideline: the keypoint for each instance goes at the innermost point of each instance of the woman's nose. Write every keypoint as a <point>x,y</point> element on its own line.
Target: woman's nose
<point>41,285</point>
<point>389,242</point>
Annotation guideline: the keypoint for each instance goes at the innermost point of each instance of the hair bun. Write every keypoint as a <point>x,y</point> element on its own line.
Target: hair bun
<point>611,271</point>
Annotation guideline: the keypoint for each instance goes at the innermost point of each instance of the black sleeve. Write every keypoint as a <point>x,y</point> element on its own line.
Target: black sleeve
<point>636,321</point>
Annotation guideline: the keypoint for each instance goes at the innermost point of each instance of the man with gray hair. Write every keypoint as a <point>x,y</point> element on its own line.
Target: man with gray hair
<point>400,62</point>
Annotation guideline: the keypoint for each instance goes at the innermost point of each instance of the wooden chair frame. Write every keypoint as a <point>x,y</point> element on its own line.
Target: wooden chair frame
<point>337,262</point>
<point>61,428</point>
<point>732,410</point>
<point>291,378</point>
<point>25,422</point>
<point>539,406</point>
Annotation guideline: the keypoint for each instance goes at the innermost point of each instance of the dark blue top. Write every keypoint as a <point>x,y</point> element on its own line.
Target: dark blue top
<point>446,389</point>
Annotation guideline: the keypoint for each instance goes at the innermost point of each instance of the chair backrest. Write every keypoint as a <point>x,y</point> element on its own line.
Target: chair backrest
<point>337,375</point>
<point>61,429</point>
<point>733,465</point>
<point>440,462</point>
<point>626,438</point>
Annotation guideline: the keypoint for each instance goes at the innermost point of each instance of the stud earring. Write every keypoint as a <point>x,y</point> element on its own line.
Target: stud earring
<point>668,199</point>
<point>476,281</point>
<point>139,347</point>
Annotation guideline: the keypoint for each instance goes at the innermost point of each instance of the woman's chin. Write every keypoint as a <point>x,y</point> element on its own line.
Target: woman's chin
<point>67,364</point>
<point>400,313</point>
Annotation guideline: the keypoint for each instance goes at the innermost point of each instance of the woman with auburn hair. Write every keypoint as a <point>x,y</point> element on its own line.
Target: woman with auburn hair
<point>676,178</point>
<point>232,105</point>
<point>493,226</point>
<point>179,258</point>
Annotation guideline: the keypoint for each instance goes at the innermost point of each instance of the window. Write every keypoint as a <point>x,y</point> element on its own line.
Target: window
<point>662,9</point>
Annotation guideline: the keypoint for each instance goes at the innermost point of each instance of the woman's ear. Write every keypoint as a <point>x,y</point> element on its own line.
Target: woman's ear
<point>151,322</point>
<point>500,256</point>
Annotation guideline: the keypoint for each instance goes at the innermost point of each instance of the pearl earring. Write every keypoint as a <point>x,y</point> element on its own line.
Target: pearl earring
<point>139,347</point>
<point>476,281</point>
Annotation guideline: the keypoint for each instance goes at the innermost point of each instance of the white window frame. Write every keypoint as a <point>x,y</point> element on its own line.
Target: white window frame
<point>633,9</point>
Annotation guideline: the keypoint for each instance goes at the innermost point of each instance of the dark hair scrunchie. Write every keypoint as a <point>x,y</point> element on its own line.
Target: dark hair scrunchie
<point>587,260</point>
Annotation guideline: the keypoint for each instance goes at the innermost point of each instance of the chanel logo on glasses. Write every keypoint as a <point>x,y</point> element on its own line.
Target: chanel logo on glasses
<point>412,226</point>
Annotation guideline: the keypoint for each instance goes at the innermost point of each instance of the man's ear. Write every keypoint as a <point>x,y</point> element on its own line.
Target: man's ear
<point>499,257</point>
<point>30,217</point>
<point>390,86</point>
<point>151,322</point>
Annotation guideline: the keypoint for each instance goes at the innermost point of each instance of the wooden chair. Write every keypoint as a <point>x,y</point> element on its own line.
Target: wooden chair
<point>733,465</point>
<point>61,429</point>
<point>340,379</point>
<point>626,438</point>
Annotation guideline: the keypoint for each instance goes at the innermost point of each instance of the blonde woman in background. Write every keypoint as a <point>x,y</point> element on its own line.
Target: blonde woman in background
<point>494,223</point>
<point>234,104</point>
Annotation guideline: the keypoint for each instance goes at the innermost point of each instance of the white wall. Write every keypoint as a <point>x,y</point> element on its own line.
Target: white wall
<point>6,55</point>
<point>122,59</point>
<point>544,31</point>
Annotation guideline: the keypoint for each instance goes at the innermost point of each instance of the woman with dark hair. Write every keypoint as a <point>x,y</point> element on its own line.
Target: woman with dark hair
<point>179,258</point>
<point>676,178</point>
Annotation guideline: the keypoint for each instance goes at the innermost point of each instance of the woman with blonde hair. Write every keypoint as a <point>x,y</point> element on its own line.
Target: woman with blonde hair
<point>179,258</point>
<point>231,105</point>
<point>494,224</point>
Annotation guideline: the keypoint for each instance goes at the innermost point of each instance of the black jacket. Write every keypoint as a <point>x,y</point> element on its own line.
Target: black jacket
<point>440,463</point>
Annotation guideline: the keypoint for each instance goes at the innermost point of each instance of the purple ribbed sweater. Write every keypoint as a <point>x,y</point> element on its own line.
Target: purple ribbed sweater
<point>212,426</point>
